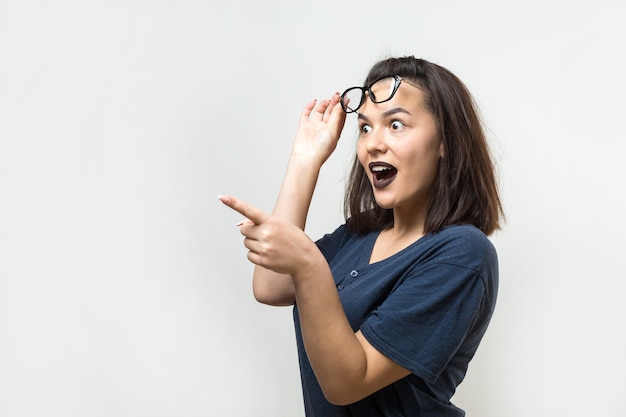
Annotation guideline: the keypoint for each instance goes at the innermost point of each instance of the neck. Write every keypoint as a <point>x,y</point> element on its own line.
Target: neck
<point>406,223</point>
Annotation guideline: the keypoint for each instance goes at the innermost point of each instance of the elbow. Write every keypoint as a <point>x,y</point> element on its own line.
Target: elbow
<point>341,396</point>
<point>272,289</point>
<point>338,401</point>
<point>272,299</point>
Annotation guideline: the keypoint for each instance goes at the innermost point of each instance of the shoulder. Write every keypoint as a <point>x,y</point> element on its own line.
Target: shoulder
<point>462,236</point>
<point>463,245</point>
<point>342,238</point>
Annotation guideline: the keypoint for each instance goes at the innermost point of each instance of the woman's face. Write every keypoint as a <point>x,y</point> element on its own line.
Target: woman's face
<point>399,149</point>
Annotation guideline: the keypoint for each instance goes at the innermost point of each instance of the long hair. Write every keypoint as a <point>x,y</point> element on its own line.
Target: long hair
<point>465,189</point>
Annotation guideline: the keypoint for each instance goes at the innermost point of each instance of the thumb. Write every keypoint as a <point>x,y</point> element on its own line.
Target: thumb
<point>257,216</point>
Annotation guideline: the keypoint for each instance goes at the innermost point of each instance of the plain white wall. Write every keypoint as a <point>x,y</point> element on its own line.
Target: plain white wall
<point>124,288</point>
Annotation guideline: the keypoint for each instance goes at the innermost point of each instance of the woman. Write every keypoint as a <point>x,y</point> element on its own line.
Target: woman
<point>391,306</point>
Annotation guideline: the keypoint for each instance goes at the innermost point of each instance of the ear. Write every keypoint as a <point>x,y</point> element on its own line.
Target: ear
<point>441,149</point>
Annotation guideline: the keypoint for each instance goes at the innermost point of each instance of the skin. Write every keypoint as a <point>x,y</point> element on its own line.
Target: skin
<point>402,133</point>
<point>290,268</point>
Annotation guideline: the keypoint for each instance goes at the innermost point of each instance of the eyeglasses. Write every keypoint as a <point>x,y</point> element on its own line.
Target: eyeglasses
<point>353,98</point>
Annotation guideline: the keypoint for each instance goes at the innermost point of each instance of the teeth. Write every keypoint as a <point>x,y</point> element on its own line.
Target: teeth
<point>380,169</point>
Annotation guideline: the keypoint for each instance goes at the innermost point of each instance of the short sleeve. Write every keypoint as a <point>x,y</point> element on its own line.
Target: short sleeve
<point>331,243</point>
<point>426,319</point>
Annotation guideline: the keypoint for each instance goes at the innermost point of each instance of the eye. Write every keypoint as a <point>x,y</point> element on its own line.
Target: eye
<point>363,129</point>
<point>396,125</point>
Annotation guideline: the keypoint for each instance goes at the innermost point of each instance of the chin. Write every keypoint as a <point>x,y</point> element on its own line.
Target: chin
<point>384,204</point>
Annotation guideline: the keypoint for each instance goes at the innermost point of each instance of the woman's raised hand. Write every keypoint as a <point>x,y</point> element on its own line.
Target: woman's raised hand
<point>319,129</point>
<point>277,242</point>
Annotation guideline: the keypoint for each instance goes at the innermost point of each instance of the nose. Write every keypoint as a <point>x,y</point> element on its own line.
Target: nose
<point>376,141</point>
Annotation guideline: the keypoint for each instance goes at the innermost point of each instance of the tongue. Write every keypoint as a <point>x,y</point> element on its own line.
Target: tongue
<point>384,178</point>
<point>386,174</point>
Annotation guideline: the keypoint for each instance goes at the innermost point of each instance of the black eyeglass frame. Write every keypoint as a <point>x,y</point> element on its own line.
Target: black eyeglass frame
<point>368,89</point>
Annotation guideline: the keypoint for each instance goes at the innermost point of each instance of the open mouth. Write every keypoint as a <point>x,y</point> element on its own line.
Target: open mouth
<point>383,174</point>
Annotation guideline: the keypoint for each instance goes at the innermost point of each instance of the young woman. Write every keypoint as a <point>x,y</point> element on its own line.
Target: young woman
<point>391,306</point>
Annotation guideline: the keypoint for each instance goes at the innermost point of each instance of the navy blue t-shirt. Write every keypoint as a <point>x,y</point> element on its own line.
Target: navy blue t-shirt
<point>425,307</point>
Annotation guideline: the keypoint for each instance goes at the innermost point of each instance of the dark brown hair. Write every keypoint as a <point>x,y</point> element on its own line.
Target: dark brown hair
<point>465,189</point>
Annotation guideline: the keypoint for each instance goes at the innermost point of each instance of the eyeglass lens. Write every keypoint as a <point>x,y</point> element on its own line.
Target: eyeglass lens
<point>379,92</point>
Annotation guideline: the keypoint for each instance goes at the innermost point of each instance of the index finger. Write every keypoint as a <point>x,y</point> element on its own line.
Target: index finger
<point>257,216</point>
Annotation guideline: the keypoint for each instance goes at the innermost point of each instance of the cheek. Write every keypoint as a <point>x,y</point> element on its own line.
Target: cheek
<point>425,163</point>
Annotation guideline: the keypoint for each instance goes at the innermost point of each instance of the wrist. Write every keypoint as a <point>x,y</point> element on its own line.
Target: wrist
<point>305,162</point>
<point>304,170</point>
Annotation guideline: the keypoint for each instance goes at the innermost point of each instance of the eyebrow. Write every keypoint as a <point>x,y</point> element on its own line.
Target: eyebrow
<point>388,113</point>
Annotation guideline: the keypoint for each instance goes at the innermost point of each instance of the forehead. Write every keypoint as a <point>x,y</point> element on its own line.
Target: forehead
<point>383,88</point>
<point>408,97</point>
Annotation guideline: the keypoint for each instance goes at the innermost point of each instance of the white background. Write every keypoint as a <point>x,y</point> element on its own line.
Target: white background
<point>124,289</point>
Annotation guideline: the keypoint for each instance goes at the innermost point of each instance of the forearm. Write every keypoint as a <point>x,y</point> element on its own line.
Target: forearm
<point>291,205</point>
<point>296,192</point>
<point>347,367</point>
<point>334,351</point>
<point>316,138</point>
